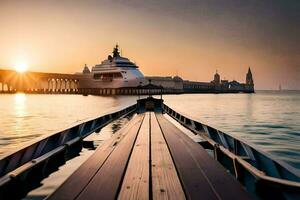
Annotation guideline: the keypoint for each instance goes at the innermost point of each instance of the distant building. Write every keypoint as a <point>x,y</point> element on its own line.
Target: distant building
<point>178,85</point>
<point>86,70</point>
<point>249,86</point>
<point>197,87</point>
<point>235,86</point>
<point>167,82</point>
<point>249,79</point>
<point>217,79</point>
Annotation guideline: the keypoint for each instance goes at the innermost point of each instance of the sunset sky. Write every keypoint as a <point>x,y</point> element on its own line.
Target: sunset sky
<point>191,38</point>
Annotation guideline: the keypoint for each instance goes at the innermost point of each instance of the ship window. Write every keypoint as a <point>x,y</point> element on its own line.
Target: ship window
<point>103,76</point>
<point>130,63</point>
<point>117,75</point>
<point>108,75</point>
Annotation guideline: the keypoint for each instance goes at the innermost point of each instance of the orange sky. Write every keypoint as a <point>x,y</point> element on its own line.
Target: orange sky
<point>162,37</point>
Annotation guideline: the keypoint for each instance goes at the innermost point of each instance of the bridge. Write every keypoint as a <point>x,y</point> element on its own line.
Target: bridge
<point>38,82</point>
<point>59,83</point>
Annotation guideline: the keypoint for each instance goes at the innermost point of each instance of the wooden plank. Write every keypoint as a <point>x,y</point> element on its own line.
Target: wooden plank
<point>74,185</point>
<point>106,182</point>
<point>201,175</point>
<point>136,181</point>
<point>165,181</point>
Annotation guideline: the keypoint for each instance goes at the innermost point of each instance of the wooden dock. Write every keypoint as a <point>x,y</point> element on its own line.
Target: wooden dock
<point>150,158</point>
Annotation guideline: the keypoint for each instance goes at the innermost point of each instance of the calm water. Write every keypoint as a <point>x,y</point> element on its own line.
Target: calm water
<point>268,119</point>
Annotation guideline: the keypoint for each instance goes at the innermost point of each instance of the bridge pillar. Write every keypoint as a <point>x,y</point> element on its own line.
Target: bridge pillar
<point>76,85</point>
<point>48,85</point>
<point>72,86</point>
<point>9,88</point>
<point>62,87</point>
<point>68,85</point>
<point>57,86</point>
<point>53,85</point>
<point>65,85</point>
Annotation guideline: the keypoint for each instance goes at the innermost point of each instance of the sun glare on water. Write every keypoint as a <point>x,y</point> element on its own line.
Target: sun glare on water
<point>20,98</point>
<point>21,67</point>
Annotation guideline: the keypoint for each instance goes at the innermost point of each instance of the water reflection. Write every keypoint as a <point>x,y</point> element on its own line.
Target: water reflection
<point>27,116</point>
<point>19,117</point>
<point>20,109</point>
<point>20,98</point>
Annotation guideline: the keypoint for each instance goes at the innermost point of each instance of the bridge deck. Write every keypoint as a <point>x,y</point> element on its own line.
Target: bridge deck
<point>150,158</point>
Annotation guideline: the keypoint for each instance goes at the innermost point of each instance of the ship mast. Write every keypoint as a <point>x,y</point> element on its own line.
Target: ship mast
<point>116,52</point>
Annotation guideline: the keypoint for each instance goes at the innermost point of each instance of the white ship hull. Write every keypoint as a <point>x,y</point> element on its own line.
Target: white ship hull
<point>132,78</point>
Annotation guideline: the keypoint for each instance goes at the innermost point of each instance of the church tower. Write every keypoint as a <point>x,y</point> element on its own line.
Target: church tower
<point>249,86</point>
<point>249,79</point>
<point>217,78</point>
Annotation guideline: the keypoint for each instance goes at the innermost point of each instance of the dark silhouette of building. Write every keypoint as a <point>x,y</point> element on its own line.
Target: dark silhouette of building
<point>217,78</point>
<point>217,85</point>
<point>249,79</point>
<point>86,70</point>
<point>249,86</point>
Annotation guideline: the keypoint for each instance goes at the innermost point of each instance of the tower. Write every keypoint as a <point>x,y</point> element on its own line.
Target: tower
<point>217,78</point>
<point>116,52</point>
<point>249,79</point>
<point>249,86</point>
<point>86,70</point>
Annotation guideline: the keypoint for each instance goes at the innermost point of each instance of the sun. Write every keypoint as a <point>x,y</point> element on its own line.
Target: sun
<point>21,67</point>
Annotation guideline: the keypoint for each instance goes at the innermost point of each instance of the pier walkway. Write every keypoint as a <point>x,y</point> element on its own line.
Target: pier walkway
<point>150,158</point>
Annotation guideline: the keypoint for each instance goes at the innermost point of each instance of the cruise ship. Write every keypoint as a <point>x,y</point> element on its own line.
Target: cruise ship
<point>114,72</point>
